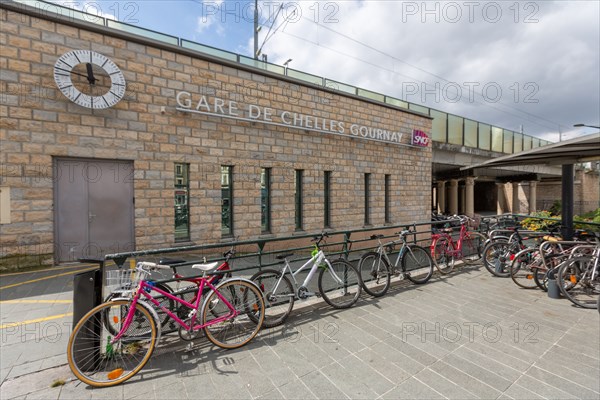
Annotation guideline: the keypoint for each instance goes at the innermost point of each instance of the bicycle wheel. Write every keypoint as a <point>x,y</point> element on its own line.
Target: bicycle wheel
<point>228,329</point>
<point>497,258</point>
<point>442,255</point>
<point>98,361</point>
<point>417,264</point>
<point>340,284</point>
<point>472,247</point>
<point>278,294</point>
<point>540,278</point>
<point>164,301</point>
<point>375,274</point>
<point>576,282</point>
<point>522,268</point>
<point>540,275</point>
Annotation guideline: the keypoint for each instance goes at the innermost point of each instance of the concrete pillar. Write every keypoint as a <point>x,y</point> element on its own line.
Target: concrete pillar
<point>470,196</point>
<point>500,198</point>
<point>515,198</point>
<point>453,197</point>
<point>532,196</point>
<point>441,197</point>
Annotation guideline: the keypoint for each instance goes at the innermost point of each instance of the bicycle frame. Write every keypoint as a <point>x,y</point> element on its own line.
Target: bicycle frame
<point>316,260</point>
<point>382,252</point>
<point>145,287</point>
<point>456,246</point>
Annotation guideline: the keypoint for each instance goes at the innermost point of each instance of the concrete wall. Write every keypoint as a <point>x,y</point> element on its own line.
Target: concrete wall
<point>586,192</point>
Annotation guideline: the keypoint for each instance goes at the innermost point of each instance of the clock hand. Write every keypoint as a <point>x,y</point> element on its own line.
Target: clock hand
<point>90,74</point>
<point>70,72</point>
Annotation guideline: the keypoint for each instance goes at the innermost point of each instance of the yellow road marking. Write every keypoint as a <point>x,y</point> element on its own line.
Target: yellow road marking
<point>48,269</point>
<point>35,301</point>
<point>33,321</point>
<point>46,277</point>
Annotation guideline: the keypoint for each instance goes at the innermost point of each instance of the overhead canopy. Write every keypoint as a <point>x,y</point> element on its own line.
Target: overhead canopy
<point>578,150</point>
<point>567,153</point>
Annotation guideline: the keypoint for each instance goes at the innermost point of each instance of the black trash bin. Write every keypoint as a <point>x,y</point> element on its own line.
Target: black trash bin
<point>87,294</point>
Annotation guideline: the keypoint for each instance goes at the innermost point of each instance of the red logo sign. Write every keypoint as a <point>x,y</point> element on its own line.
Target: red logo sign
<point>419,138</point>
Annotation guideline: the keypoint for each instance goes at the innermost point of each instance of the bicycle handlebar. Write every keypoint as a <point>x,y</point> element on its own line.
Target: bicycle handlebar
<point>151,266</point>
<point>320,237</point>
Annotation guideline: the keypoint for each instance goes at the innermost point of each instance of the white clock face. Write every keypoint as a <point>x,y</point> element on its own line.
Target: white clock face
<point>89,79</point>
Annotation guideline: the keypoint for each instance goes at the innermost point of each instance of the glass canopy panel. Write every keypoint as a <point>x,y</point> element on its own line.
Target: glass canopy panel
<point>508,142</point>
<point>485,137</point>
<point>470,133</point>
<point>497,139</point>
<point>526,142</point>
<point>455,129</point>
<point>518,143</point>
<point>438,126</point>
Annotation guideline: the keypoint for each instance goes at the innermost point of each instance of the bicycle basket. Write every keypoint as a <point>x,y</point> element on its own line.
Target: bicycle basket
<point>474,222</point>
<point>123,279</point>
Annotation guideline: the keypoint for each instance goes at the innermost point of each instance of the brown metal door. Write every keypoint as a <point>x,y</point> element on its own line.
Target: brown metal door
<point>93,208</point>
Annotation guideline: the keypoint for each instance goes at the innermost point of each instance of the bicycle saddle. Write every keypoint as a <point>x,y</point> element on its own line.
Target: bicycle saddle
<point>206,267</point>
<point>283,256</point>
<point>376,236</point>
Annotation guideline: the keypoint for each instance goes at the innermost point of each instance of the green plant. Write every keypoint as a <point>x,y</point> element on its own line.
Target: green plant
<point>58,382</point>
<point>539,221</point>
<point>556,208</point>
<point>592,216</point>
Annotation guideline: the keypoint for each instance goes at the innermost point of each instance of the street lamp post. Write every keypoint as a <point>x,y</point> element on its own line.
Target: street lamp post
<point>286,65</point>
<point>588,126</point>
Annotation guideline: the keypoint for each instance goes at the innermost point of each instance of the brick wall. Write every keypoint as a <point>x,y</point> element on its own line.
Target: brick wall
<point>39,123</point>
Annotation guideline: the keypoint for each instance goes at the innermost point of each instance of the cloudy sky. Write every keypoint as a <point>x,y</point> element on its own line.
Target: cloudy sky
<point>531,65</point>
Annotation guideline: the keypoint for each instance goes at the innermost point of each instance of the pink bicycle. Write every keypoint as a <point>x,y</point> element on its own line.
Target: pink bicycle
<point>445,251</point>
<point>113,341</point>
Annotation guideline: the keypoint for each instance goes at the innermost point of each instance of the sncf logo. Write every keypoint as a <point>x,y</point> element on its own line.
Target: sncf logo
<point>419,138</point>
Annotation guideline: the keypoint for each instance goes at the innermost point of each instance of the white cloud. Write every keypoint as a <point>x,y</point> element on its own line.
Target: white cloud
<point>544,57</point>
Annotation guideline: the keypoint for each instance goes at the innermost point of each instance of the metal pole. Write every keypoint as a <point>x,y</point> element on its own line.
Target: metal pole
<point>567,201</point>
<point>256,29</point>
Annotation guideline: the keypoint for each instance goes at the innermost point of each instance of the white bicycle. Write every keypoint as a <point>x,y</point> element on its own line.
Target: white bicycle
<point>339,284</point>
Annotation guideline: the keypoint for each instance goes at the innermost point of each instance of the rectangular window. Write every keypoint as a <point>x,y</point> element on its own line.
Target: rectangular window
<point>226,200</point>
<point>387,200</point>
<point>298,199</point>
<point>367,199</point>
<point>265,200</point>
<point>182,211</point>
<point>327,200</point>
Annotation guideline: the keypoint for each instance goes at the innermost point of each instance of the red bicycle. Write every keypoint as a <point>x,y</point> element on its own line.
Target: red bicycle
<point>186,292</point>
<point>445,251</point>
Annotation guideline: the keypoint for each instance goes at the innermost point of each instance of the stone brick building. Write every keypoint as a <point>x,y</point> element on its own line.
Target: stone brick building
<point>197,149</point>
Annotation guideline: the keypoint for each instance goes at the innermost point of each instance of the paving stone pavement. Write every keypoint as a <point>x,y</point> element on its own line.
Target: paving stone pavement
<point>465,336</point>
